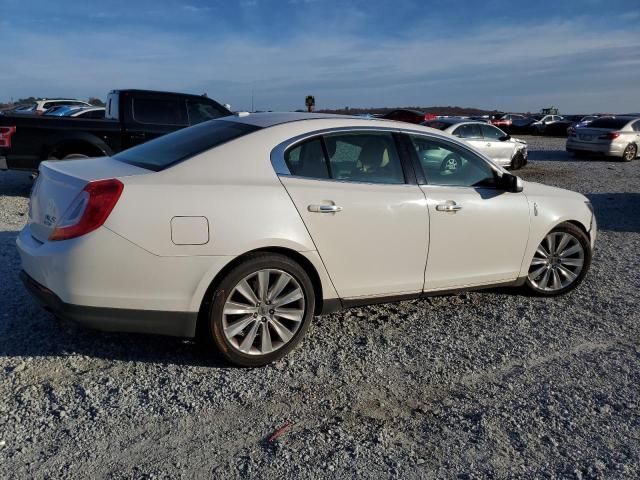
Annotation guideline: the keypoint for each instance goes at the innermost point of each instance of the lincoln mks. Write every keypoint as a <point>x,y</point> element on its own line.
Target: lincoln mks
<point>241,230</point>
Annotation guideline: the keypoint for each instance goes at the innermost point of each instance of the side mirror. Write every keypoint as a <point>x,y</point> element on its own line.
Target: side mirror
<point>504,138</point>
<point>511,183</point>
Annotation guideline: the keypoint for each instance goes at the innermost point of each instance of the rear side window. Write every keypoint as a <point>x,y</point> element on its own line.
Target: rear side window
<point>612,123</point>
<point>175,147</point>
<point>636,126</point>
<point>159,111</point>
<point>355,157</point>
<point>308,160</point>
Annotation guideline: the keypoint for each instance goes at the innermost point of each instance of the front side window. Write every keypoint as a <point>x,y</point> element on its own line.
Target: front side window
<point>444,163</point>
<point>491,133</point>
<point>470,130</point>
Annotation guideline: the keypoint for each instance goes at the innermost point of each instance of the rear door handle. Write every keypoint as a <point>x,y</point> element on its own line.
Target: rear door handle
<point>449,206</point>
<point>324,208</point>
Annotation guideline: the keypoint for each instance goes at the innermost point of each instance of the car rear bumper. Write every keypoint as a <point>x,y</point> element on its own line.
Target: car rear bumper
<point>609,149</point>
<point>179,324</point>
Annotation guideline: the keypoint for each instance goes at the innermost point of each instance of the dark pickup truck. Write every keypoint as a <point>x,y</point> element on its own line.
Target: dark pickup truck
<point>132,117</point>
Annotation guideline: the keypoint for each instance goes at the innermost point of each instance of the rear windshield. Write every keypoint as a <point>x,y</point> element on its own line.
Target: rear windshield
<point>613,123</point>
<point>436,124</point>
<point>170,149</point>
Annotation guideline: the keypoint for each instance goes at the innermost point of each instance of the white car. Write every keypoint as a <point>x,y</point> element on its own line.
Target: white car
<point>242,229</point>
<point>499,146</point>
<point>46,104</point>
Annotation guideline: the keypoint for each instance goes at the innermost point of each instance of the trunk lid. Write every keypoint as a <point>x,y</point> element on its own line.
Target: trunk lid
<point>586,134</point>
<point>59,183</point>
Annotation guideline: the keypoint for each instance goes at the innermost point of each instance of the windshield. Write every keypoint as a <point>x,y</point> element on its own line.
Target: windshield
<point>170,149</point>
<point>613,123</point>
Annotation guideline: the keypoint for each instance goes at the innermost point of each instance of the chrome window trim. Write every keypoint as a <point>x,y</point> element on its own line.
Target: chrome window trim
<point>280,166</point>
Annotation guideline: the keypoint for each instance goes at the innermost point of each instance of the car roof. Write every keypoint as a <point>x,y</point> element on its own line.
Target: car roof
<point>269,119</point>
<point>455,121</point>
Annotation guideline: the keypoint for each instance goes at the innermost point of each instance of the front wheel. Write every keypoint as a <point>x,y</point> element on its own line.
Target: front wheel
<point>517,162</point>
<point>560,262</point>
<point>261,310</point>
<point>630,153</point>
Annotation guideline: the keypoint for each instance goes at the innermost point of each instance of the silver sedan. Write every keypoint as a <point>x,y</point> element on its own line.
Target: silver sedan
<point>495,144</point>
<point>610,136</point>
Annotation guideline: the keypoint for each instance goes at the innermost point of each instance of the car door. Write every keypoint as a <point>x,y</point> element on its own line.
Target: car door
<point>477,232</point>
<point>369,224</point>
<point>498,150</point>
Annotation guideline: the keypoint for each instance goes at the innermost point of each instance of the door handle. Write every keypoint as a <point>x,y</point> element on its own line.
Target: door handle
<point>489,144</point>
<point>450,206</point>
<point>324,208</point>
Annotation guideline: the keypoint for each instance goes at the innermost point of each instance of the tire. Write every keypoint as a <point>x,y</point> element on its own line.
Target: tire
<point>451,163</point>
<point>236,325</point>
<point>630,153</point>
<point>517,162</point>
<point>547,266</point>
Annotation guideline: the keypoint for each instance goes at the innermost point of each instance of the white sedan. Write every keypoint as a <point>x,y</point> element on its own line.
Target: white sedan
<point>499,146</point>
<point>240,230</point>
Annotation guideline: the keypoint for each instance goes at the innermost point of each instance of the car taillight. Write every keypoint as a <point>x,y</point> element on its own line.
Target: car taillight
<point>89,210</point>
<point>609,136</point>
<point>5,136</point>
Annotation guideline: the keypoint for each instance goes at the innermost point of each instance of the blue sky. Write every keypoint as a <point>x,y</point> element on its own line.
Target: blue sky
<point>582,56</point>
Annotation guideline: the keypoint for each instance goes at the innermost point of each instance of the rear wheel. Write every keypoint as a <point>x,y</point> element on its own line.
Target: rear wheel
<point>261,310</point>
<point>560,262</point>
<point>630,153</point>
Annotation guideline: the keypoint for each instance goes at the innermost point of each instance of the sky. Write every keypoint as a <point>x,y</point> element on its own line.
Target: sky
<point>581,56</point>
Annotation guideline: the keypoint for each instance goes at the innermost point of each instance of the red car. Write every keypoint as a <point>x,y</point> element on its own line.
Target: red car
<point>409,116</point>
<point>505,120</point>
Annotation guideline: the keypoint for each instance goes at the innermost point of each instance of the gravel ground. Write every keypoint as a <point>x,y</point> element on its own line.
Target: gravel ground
<point>487,384</point>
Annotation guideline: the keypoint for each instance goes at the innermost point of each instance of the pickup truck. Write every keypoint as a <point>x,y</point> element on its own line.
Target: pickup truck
<point>132,117</point>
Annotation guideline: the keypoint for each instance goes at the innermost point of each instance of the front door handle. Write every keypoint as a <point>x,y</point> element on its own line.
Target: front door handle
<point>324,208</point>
<point>489,144</point>
<point>449,206</point>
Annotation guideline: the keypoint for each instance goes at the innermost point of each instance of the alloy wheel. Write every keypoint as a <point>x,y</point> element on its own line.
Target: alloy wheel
<point>263,312</point>
<point>630,152</point>
<point>557,262</point>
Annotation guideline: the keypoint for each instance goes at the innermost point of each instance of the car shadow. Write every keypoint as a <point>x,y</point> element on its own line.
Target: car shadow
<point>27,330</point>
<point>15,183</point>
<point>616,212</point>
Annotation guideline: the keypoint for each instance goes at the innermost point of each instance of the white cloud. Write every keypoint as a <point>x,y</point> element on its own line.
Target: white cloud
<point>514,68</point>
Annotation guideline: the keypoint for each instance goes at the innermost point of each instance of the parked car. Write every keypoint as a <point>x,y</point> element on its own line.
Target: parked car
<point>61,110</point>
<point>582,122</point>
<point>21,110</point>
<point>242,229</point>
<point>409,116</point>
<point>89,112</point>
<point>487,139</point>
<point>132,117</point>
<point>610,136</point>
<point>504,121</point>
<point>551,125</point>
<point>42,105</point>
